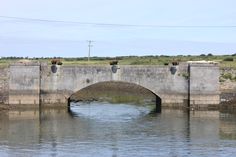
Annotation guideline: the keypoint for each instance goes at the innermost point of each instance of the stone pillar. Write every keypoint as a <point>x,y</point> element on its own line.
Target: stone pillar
<point>24,85</point>
<point>204,86</point>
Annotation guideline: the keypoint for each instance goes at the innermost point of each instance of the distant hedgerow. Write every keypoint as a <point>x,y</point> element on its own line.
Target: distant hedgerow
<point>230,59</point>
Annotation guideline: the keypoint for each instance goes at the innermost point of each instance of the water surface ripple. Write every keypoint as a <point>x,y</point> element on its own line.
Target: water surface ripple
<point>120,130</point>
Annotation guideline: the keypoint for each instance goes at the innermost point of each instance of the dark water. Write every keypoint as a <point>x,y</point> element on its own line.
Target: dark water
<point>108,130</point>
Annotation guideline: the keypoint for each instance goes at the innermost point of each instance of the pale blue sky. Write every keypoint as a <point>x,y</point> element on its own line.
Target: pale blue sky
<point>22,37</point>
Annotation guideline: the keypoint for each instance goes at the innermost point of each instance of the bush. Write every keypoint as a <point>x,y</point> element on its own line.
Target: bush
<point>229,59</point>
<point>209,54</point>
<point>56,61</point>
<point>166,63</point>
<point>59,63</point>
<point>114,62</point>
<point>227,76</point>
<point>175,63</point>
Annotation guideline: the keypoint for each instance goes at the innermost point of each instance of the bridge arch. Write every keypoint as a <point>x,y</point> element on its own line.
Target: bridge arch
<point>87,93</point>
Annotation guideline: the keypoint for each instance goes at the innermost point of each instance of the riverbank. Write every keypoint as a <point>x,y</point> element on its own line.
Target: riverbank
<point>228,101</point>
<point>228,85</point>
<point>228,88</point>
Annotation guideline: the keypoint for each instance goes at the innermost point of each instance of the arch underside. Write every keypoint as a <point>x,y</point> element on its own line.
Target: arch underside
<point>117,89</point>
<point>117,86</point>
<point>123,85</point>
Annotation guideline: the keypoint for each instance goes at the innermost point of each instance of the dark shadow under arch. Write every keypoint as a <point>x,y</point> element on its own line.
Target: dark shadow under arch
<point>125,87</point>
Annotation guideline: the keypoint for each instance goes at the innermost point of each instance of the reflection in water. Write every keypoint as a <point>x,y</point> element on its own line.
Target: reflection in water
<point>228,126</point>
<point>127,130</point>
<point>107,112</point>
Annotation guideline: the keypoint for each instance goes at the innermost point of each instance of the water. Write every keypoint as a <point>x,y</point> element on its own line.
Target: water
<point>105,112</point>
<point>108,130</point>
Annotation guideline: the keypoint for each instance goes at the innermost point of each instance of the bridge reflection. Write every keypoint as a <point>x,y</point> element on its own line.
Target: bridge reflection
<point>27,129</point>
<point>228,125</point>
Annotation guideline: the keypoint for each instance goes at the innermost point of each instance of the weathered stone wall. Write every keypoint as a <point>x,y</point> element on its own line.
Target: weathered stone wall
<point>24,84</point>
<point>4,85</point>
<point>59,82</point>
<point>57,85</point>
<point>204,86</point>
<point>169,85</point>
<point>53,85</point>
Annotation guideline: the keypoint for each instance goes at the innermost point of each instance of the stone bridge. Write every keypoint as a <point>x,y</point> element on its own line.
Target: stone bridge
<point>38,84</point>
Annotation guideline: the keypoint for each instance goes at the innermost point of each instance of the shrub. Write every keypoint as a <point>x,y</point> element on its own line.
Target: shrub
<point>56,61</point>
<point>114,62</point>
<point>227,76</point>
<point>175,63</point>
<point>166,63</point>
<point>59,63</point>
<point>209,54</point>
<point>230,59</point>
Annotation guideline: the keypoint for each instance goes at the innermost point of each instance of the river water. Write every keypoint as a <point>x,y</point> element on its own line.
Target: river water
<point>116,130</point>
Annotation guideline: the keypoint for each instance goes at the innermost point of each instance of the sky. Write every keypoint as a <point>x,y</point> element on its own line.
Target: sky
<point>118,27</point>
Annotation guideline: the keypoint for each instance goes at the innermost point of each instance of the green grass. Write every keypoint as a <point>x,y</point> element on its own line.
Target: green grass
<point>134,60</point>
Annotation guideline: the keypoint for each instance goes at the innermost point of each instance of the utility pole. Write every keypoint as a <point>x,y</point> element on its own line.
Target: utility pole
<point>89,48</point>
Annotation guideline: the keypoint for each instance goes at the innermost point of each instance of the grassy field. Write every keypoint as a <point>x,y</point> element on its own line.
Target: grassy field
<point>225,61</point>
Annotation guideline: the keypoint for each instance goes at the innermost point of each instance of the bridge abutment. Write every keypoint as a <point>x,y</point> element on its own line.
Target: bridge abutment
<point>204,86</point>
<point>24,85</point>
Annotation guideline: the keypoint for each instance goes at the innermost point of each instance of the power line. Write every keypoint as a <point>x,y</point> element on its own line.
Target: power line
<point>23,19</point>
